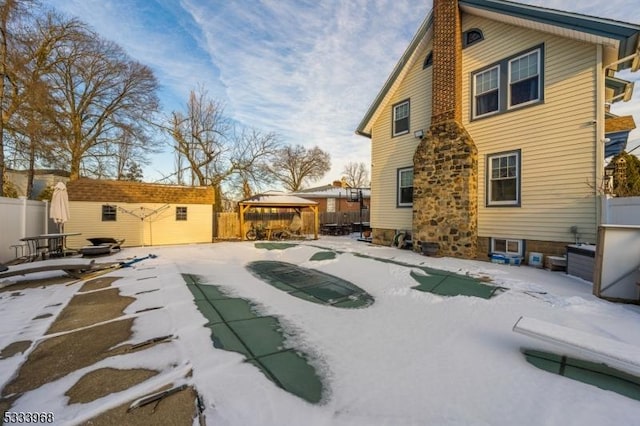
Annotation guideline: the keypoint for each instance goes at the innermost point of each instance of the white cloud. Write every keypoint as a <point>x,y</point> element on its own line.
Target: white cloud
<point>306,69</point>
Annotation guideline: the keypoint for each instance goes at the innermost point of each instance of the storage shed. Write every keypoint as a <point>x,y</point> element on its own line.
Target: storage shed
<point>143,214</point>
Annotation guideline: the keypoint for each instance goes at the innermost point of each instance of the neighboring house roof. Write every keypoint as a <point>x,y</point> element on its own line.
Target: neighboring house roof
<point>118,191</point>
<point>331,191</point>
<point>53,172</point>
<point>268,200</point>
<point>617,131</point>
<point>621,40</point>
<point>619,124</point>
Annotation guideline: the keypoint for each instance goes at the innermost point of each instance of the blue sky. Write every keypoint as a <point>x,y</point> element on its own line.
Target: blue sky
<point>306,69</point>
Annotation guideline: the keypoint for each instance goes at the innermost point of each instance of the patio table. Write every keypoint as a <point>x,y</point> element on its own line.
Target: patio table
<point>58,242</point>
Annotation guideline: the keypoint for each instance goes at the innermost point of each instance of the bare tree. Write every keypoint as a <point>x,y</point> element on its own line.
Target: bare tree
<point>213,149</point>
<point>356,174</point>
<point>296,166</point>
<point>98,94</point>
<point>26,115</point>
<point>11,12</point>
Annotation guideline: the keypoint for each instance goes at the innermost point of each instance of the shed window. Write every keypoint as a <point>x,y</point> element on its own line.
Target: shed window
<point>181,213</point>
<point>109,213</point>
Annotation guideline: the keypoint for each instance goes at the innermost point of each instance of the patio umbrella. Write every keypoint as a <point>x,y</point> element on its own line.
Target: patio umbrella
<point>59,211</point>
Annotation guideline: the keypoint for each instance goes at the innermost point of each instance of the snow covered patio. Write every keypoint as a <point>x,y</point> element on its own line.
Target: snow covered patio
<point>410,357</point>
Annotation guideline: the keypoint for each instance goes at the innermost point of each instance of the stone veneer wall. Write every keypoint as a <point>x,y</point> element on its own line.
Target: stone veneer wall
<point>445,191</point>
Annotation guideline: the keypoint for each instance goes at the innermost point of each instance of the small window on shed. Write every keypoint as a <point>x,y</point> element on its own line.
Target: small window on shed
<point>428,61</point>
<point>181,213</point>
<point>471,37</point>
<point>109,213</point>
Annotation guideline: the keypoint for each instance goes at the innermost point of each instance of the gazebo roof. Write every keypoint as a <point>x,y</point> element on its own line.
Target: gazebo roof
<point>269,200</point>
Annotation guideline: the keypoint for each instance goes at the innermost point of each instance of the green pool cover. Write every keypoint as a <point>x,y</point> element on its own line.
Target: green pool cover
<point>323,255</point>
<point>274,246</point>
<point>592,373</point>
<point>235,326</point>
<point>450,284</point>
<point>310,284</point>
<point>445,283</point>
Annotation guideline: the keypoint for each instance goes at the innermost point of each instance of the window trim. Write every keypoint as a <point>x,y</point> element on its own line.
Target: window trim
<point>393,118</point>
<point>180,216</point>
<point>520,243</point>
<point>465,37</point>
<point>399,203</point>
<point>428,60</point>
<point>109,217</point>
<point>475,94</point>
<point>504,85</point>
<point>518,201</point>
<point>509,83</point>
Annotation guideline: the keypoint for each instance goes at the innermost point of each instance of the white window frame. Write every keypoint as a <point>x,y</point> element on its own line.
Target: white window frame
<point>507,243</point>
<point>331,205</point>
<point>476,93</point>
<point>399,187</point>
<point>510,82</point>
<point>489,173</point>
<point>396,119</point>
<point>181,213</point>
<point>109,213</point>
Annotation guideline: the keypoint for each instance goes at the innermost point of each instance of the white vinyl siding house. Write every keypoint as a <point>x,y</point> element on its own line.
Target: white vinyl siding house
<point>394,153</point>
<point>535,83</point>
<point>554,155</point>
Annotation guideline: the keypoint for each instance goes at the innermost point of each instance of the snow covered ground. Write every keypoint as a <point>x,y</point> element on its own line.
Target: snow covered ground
<point>411,358</point>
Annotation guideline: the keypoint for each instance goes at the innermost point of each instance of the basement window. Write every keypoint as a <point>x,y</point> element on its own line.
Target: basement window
<point>401,118</point>
<point>109,213</point>
<point>181,213</point>
<point>506,246</point>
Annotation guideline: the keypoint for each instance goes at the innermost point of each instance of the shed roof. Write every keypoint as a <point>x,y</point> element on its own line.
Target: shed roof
<point>118,191</point>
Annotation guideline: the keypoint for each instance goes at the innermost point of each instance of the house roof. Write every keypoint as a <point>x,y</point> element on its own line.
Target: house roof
<point>118,191</point>
<point>617,131</point>
<point>619,124</point>
<point>620,39</point>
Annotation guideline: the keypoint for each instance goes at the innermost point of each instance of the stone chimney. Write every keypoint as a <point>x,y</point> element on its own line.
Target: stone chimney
<point>445,174</point>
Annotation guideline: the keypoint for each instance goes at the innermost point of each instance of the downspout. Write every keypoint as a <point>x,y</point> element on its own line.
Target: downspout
<point>599,140</point>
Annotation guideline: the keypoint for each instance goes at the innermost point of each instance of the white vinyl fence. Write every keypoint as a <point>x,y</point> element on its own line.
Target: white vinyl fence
<point>20,218</point>
<point>621,211</point>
